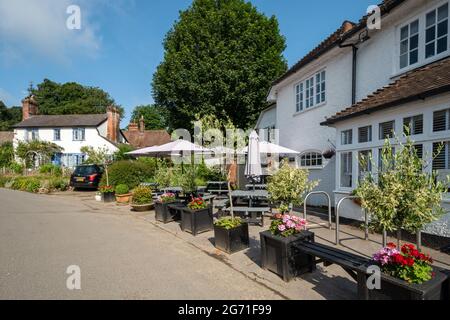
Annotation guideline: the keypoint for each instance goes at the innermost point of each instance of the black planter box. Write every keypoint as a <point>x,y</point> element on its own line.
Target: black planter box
<point>164,214</point>
<point>279,255</point>
<point>197,221</point>
<point>109,197</point>
<point>398,289</point>
<point>232,240</point>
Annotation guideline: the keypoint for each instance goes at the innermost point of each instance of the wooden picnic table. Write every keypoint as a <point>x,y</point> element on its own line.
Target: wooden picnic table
<point>251,194</point>
<point>256,186</point>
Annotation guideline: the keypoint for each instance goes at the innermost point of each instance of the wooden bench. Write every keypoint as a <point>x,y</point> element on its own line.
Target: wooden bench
<point>357,267</point>
<point>252,215</point>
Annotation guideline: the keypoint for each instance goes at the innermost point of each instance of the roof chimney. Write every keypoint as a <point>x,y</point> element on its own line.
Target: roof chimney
<point>141,124</point>
<point>29,107</point>
<point>112,131</point>
<point>347,26</point>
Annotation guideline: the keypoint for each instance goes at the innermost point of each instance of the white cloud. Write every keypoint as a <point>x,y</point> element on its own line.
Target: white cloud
<point>38,27</point>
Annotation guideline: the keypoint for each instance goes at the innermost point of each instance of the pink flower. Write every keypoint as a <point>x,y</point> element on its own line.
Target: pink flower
<point>282,228</point>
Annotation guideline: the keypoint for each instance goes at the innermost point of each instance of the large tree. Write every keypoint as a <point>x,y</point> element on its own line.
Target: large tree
<point>155,117</point>
<point>9,116</point>
<point>70,98</point>
<point>220,58</point>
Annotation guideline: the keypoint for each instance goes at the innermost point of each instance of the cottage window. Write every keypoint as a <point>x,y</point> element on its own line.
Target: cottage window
<point>409,44</point>
<point>32,135</point>
<point>310,92</point>
<point>320,87</point>
<point>441,162</point>
<point>441,120</point>
<point>78,134</point>
<point>347,137</point>
<point>56,134</point>
<point>436,32</point>
<point>346,169</point>
<point>311,159</point>
<point>365,164</point>
<point>299,97</point>
<point>386,130</point>
<point>413,125</point>
<point>365,134</point>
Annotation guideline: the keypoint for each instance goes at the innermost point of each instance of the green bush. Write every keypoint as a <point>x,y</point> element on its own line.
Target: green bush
<point>209,174</point>
<point>131,173</point>
<point>228,222</point>
<point>4,180</point>
<point>30,184</point>
<point>142,195</point>
<point>122,189</point>
<point>6,154</point>
<point>16,167</point>
<point>50,168</point>
<point>58,183</point>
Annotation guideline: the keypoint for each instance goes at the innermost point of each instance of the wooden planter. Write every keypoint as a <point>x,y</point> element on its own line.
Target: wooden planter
<point>141,207</point>
<point>108,197</point>
<point>197,221</point>
<point>392,288</point>
<point>232,240</point>
<point>123,198</point>
<point>164,214</point>
<point>279,255</point>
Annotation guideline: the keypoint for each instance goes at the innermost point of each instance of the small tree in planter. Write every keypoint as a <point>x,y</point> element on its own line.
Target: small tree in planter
<point>197,217</point>
<point>162,210</point>
<point>403,196</point>
<point>107,193</point>
<point>141,199</point>
<point>123,194</point>
<point>289,186</point>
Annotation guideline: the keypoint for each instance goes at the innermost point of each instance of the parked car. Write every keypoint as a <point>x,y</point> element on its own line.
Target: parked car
<point>86,176</point>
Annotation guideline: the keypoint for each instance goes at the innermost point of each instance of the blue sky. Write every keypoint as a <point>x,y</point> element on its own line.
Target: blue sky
<point>119,44</point>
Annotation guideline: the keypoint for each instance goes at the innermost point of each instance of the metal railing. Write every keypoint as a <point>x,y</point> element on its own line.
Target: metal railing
<point>366,219</point>
<point>329,208</point>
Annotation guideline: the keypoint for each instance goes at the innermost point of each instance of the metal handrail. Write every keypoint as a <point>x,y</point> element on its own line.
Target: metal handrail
<point>329,207</point>
<point>366,218</point>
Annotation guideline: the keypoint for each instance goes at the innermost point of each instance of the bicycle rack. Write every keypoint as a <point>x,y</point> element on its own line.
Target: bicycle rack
<point>366,219</point>
<point>329,208</point>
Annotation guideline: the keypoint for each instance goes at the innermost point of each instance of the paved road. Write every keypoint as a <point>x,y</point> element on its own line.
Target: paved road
<point>120,257</point>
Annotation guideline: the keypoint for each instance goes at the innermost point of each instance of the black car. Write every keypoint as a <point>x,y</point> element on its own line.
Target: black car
<point>86,176</point>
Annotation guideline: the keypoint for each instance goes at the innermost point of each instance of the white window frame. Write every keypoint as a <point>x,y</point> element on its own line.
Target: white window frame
<point>346,140</point>
<point>363,173</point>
<point>76,132</point>
<point>317,155</point>
<point>54,134</point>
<point>306,91</point>
<point>447,120</point>
<point>341,172</point>
<point>412,124</point>
<point>408,39</point>
<point>369,134</point>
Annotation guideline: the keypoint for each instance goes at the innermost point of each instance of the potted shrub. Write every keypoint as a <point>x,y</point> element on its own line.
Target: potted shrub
<point>141,199</point>
<point>107,193</point>
<point>123,194</point>
<point>231,234</point>
<point>197,217</point>
<point>162,210</point>
<point>407,274</point>
<point>278,253</point>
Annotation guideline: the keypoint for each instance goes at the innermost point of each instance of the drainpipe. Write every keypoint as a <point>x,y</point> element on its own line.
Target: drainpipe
<point>354,66</point>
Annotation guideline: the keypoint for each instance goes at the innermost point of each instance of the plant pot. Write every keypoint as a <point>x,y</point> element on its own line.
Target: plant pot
<point>197,221</point>
<point>279,255</point>
<point>438,288</point>
<point>108,197</point>
<point>141,207</point>
<point>231,240</point>
<point>164,214</point>
<point>123,198</point>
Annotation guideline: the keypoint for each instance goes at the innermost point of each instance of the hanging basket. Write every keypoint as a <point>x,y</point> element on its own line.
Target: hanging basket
<point>328,154</point>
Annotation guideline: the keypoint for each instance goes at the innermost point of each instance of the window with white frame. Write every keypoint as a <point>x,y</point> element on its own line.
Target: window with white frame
<point>347,137</point>
<point>311,159</point>
<point>365,134</point>
<point>441,162</point>
<point>364,163</point>
<point>386,130</point>
<point>56,134</point>
<point>413,125</point>
<point>441,120</point>
<point>32,134</point>
<point>310,92</point>
<point>409,44</point>
<point>436,32</point>
<point>346,169</point>
<point>78,134</point>
<point>299,93</point>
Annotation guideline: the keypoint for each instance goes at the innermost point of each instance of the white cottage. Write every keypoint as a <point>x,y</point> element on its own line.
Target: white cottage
<point>71,132</point>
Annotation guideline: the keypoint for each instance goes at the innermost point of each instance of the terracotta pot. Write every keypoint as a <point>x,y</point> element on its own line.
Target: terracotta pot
<point>123,198</point>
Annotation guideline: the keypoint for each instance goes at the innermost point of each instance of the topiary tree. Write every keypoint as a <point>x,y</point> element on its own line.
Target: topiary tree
<point>402,196</point>
<point>289,186</point>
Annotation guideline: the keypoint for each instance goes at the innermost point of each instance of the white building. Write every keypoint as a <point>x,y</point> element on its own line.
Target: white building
<point>71,132</point>
<point>410,52</point>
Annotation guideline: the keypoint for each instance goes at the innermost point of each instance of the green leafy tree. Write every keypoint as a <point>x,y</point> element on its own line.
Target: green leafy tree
<point>9,116</point>
<point>6,154</point>
<point>155,117</point>
<point>71,98</point>
<point>221,57</point>
<point>403,195</point>
<point>121,154</point>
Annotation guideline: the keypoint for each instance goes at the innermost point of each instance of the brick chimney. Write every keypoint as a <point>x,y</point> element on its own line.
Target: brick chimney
<point>347,26</point>
<point>133,126</point>
<point>141,124</point>
<point>29,107</point>
<point>112,131</point>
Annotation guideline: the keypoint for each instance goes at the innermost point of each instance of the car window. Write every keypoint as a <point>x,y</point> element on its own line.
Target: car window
<point>85,170</point>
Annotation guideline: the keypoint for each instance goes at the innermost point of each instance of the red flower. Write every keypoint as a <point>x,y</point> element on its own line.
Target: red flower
<point>391,245</point>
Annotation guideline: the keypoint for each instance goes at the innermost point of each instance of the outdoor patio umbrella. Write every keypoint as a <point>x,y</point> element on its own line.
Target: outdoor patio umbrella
<point>253,168</point>
<point>267,147</point>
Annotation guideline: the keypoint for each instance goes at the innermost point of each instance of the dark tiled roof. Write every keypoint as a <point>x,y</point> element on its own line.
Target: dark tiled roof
<point>337,37</point>
<point>6,136</point>
<point>418,84</point>
<point>70,120</point>
<point>148,138</point>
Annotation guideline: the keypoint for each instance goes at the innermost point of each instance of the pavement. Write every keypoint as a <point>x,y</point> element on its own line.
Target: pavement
<point>128,255</point>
